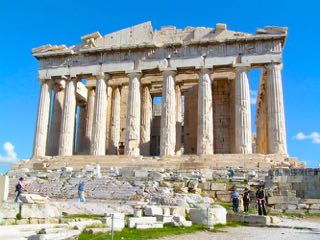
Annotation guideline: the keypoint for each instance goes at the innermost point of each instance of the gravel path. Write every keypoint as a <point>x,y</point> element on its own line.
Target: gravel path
<point>261,233</point>
<point>256,233</point>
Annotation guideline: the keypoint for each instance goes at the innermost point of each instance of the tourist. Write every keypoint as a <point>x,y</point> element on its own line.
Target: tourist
<point>235,200</point>
<point>246,199</point>
<point>20,187</point>
<point>260,196</point>
<point>81,197</point>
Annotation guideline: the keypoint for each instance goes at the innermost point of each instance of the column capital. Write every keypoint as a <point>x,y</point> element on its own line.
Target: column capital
<point>274,65</point>
<point>101,75</point>
<point>242,67</point>
<point>204,70</point>
<point>168,71</point>
<point>44,79</point>
<point>134,73</point>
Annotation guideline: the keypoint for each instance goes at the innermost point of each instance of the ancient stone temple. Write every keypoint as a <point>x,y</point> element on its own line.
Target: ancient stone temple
<point>98,97</point>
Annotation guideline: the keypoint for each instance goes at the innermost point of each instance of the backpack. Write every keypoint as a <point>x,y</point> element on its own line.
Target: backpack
<point>18,187</point>
<point>81,187</point>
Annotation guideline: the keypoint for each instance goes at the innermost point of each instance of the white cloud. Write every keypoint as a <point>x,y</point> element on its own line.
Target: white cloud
<point>10,154</point>
<point>253,97</point>
<point>314,137</point>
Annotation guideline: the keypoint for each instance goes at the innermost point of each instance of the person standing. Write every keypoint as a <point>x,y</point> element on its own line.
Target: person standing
<point>260,196</point>
<point>81,197</point>
<point>235,200</point>
<point>246,199</point>
<point>20,187</point>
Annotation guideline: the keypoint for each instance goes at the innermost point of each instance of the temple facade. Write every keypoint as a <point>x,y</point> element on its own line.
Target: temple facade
<point>162,92</point>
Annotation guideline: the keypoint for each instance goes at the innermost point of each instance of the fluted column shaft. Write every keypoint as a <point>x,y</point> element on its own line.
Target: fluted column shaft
<point>99,130</point>
<point>277,142</point>
<point>243,141</point>
<point>89,119</point>
<point>66,141</point>
<point>57,109</point>
<point>115,122</point>
<point>81,129</point>
<point>178,120</point>
<point>205,115</point>
<point>41,132</point>
<point>146,119</point>
<point>168,115</point>
<point>132,143</point>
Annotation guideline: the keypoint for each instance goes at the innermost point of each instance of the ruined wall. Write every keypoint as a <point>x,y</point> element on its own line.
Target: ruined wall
<point>221,116</point>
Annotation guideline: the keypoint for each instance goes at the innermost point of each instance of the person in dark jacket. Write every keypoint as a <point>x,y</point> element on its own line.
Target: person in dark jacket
<point>260,196</point>
<point>20,187</point>
<point>246,199</point>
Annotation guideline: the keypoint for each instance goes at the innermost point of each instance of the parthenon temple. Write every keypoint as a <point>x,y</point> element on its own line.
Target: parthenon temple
<point>167,92</point>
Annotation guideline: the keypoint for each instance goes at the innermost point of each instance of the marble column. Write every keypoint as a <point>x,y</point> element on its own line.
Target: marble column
<point>81,128</point>
<point>243,136</point>
<point>132,142</point>
<point>99,129</point>
<point>178,120</point>
<point>89,119</point>
<point>168,114</point>
<point>41,132</point>
<point>53,143</point>
<point>115,122</point>
<point>66,140</point>
<point>276,121</point>
<point>146,119</point>
<point>205,114</point>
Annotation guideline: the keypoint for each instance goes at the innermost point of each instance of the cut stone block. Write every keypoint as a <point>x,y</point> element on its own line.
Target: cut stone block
<point>149,225</point>
<point>4,188</point>
<point>178,211</point>
<point>9,210</point>
<point>143,220</point>
<point>209,216</point>
<point>152,211</point>
<point>39,211</point>
<point>118,221</point>
<point>218,186</point>
<point>256,220</point>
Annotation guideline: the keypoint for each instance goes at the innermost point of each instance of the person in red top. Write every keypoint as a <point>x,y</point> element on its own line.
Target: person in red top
<point>260,196</point>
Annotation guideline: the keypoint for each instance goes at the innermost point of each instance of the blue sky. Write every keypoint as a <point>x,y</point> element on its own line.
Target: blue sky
<point>28,24</point>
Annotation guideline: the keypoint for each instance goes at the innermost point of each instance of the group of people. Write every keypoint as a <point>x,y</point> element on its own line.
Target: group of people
<point>260,200</point>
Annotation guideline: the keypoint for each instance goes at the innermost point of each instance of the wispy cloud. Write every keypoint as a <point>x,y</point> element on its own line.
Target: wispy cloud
<point>10,154</point>
<point>314,137</point>
<point>253,97</point>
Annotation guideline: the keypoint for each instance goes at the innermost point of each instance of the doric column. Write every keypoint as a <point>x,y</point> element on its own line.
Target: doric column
<point>89,119</point>
<point>81,128</point>
<point>178,120</point>
<point>115,122</point>
<point>54,134</point>
<point>168,114</point>
<point>243,136</point>
<point>205,115</point>
<point>98,143</point>
<point>66,140</point>
<point>132,142</point>
<point>277,142</point>
<point>41,132</point>
<point>146,119</point>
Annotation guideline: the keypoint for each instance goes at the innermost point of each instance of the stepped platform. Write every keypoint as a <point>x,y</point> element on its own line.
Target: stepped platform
<point>184,162</point>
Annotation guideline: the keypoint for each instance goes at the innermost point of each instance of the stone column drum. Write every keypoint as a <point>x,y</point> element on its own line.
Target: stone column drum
<point>132,142</point>
<point>41,132</point>
<point>168,115</point>
<point>205,114</point>
<point>66,141</point>
<point>243,136</point>
<point>277,142</point>
<point>99,129</point>
<point>89,119</point>
<point>146,119</point>
<point>115,122</point>
<point>54,134</point>
<point>81,128</point>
